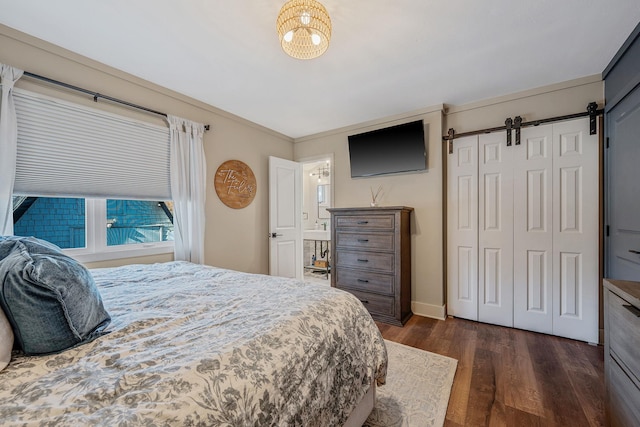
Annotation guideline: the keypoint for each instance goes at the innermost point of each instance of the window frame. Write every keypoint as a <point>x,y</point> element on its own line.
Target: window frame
<point>96,248</point>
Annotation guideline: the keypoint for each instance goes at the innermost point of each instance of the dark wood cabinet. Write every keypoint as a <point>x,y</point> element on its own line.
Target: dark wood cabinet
<point>371,253</point>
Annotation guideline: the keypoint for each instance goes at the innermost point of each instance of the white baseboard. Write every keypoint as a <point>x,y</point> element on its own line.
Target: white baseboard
<point>428,310</point>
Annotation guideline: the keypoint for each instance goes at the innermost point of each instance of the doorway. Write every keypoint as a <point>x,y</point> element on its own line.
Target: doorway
<point>317,197</point>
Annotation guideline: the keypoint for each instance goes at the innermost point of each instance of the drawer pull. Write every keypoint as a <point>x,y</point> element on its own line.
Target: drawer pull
<point>363,222</point>
<point>363,260</point>
<point>363,281</point>
<point>364,301</point>
<point>634,252</point>
<point>363,240</point>
<point>632,309</point>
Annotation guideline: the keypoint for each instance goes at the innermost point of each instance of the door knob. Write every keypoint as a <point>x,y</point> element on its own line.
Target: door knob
<point>274,235</point>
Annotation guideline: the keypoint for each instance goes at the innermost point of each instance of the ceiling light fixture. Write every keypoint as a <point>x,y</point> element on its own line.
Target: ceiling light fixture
<point>304,28</point>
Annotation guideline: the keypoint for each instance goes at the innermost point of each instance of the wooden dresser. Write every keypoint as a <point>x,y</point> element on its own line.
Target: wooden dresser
<point>371,255</point>
<point>622,351</point>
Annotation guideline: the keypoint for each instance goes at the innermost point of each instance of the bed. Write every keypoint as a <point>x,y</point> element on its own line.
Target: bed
<point>192,345</point>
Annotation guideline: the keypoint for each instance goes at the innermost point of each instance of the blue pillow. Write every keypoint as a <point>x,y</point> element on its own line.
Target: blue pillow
<point>48,297</point>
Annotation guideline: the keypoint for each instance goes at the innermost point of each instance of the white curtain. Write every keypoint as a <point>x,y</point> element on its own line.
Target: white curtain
<point>8,146</point>
<point>188,184</point>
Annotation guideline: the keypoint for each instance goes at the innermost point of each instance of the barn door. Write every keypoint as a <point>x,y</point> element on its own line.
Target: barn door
<point>523,230</point>
<point>495,242</point>
<point>556,231</point>
<point>575,231</point>
<point>533,232</point>
<point>462,229</point>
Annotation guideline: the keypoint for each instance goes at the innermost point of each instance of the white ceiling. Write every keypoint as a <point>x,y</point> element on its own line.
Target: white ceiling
<point>385,58</point>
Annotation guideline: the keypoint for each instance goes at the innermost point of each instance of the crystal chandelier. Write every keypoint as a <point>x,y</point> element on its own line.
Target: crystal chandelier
<point>304,28</point>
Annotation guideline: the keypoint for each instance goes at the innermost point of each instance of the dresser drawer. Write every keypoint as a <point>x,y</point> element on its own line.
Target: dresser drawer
<point>370,222</point>
<point>376,241</point>
<point>375,304</point>
<point>624,333</point>
<point>366,260</point>
<point>365,281</point>
<point>623,397</point>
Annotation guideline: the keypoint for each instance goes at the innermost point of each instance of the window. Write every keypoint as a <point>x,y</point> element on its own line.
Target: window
<point>61,221</point>
<point>131,222</point>
<point>97,229</point>
<point>89,181</point>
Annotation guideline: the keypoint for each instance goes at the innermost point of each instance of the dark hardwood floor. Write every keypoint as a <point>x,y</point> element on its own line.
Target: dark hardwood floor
<point>509,377</point>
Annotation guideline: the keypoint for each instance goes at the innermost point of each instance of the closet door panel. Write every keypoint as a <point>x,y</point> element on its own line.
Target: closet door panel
<point>575,233</point>
<point>533,231</point>
<point>495,238</point>
<point>462,229</point>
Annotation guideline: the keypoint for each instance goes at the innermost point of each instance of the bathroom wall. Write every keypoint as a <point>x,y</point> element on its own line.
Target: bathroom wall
<point>310,193</point>
<point>314,173</point>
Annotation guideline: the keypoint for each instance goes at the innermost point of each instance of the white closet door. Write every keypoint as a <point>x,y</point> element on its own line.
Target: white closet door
<point>523,230</point>
<point>495,242</point>
<point>533,230</point>
<point>462,229</point>
<point>575,231</point>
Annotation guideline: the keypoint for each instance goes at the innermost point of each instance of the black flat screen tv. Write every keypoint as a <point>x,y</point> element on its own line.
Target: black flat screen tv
<point>391,150</point>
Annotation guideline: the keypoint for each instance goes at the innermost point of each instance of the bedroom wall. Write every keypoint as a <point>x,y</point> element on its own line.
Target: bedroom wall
<point>234,239</point>
<point>539,103</point>
<point>422,191</point>
<point>426,191</point>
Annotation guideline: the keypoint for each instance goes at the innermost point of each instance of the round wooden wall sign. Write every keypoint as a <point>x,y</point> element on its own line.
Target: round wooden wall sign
<point>235,184</point>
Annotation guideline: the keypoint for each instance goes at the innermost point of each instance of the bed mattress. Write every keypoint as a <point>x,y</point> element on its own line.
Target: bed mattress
<point>196,345</point>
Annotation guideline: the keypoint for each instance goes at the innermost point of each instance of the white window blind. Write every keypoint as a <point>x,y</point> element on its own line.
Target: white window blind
<point>66,149</point>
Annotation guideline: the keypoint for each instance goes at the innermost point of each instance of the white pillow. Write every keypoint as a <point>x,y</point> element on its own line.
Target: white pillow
<point>6,341</point>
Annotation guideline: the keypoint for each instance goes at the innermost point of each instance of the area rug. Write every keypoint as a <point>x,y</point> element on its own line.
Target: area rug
<point>417,390</point>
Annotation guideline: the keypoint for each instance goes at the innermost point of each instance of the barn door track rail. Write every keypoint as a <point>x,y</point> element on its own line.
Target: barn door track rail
<point>517,124</point>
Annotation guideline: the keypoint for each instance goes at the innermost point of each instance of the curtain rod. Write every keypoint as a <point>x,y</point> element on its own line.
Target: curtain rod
<point>97,95</point>
<point>592,112</point>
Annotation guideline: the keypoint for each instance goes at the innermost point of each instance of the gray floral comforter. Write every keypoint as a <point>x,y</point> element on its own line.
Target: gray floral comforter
<point>202,346</point>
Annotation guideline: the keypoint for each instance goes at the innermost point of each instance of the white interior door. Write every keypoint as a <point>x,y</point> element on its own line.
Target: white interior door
<point>285,218</point>
<point>462,229</point>
<point>533,231</point>
<point>575,231</point>
<point>495,230</point>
